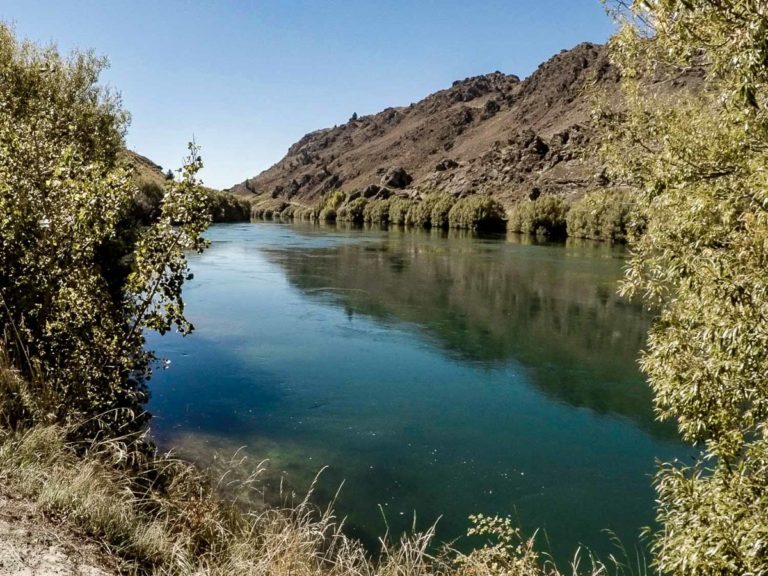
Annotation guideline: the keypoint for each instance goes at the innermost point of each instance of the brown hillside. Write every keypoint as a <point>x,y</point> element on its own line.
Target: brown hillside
<point>487,134</point>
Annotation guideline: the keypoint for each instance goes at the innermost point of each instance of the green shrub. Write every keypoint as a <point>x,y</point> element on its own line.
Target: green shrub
<point>376,212</point>
<point>545,216</point>
<point>441,207</point>
<point>601,215</point>
<point>82,280</point>
<point>398,210</point>
<point>327,215</point>
<point>477,213</point>
<point>226,207</point>
<point>352,211</point>
<point>305,214</point>
<point>333,200</point>
<point>420,212</point>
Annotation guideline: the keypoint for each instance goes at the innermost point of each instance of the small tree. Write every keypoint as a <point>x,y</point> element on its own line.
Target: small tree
<point>80,280</point>
<point>696,154</point>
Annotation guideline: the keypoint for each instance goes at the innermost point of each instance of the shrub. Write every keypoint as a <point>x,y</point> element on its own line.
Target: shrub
<point>477,213</point>
<point>226,207</point>
<point>420,212</point>
<point>334,199</point>
<point>82,280</point>
<point>544,216</point>
<point>398,210</point>
<point>327,215</point>
<point>305,213</point>
<point>601,215</point>
<point>441,206</point>
<point>352,211</point>
<point>376,212</point>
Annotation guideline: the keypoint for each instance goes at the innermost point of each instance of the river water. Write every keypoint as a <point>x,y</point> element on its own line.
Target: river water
<point>435,374</point>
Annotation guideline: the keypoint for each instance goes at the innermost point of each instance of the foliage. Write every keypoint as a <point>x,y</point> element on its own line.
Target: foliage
<point>334,199</point>
<point>81,281</point>
<point>352,211</point>
<point>507,553</point>
<point>327,215</point>
<point>698,159</point>
<point>544,216</point>
<point>441,206</point>
<point>267,209</point>
<point>477,212</point>
<point>420,212</point>
<point>305,213</point>
<point>601,215</point>
<point>398,210</point>
<point>376,211</point>
<point>226,207</point>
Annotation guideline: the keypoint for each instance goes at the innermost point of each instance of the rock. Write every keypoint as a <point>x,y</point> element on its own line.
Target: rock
<point>490,109</point>
<point>371,191</point>
<point>446,164</point>
<point>396,177</point>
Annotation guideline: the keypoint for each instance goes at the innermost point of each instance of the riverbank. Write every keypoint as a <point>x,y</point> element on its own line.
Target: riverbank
<point>105,512</point>
<point>32,543</point>
<point>606,215</point>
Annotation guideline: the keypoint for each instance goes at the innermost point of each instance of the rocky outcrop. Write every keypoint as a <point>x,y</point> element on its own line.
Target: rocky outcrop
<point>492,134</point>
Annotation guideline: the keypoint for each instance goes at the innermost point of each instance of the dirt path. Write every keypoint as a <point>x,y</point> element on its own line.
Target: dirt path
<point>31,544</point>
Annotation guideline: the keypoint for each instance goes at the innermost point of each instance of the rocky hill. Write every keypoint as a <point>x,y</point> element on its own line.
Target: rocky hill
<point>493,134</point>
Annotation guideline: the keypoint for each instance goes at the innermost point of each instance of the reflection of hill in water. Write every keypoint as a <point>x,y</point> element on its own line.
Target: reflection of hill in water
<point>553,309</point>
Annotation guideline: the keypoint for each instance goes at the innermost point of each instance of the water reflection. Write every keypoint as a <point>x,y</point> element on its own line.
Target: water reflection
<point>552,307</point>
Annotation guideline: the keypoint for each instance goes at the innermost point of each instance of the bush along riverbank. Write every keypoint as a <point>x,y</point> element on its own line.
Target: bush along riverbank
<point>606,215</point>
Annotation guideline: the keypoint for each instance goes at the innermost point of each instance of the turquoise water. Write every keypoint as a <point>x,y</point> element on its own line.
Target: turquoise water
<point>434,374</point>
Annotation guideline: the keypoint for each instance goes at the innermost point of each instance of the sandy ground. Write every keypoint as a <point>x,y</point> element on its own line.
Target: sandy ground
<point>31,544</point>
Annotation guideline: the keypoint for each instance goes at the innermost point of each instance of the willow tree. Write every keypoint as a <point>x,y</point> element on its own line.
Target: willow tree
<point>80,280</point>
<point>691,137</point>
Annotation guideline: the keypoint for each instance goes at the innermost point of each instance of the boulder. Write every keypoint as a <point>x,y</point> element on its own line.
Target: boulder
<point>446,164</point>
<point>396,177</point>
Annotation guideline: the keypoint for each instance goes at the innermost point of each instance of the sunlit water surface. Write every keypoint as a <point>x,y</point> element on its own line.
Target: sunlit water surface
<point>434,374</point>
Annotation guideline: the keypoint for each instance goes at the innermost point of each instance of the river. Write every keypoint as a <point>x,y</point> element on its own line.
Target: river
<point>435,374</point>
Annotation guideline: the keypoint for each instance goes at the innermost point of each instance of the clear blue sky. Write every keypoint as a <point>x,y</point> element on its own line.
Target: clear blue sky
<point>248,78</point>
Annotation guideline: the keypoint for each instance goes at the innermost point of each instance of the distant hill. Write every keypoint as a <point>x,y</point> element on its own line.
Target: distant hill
<point>493,134</point>
<point>151,181</point>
